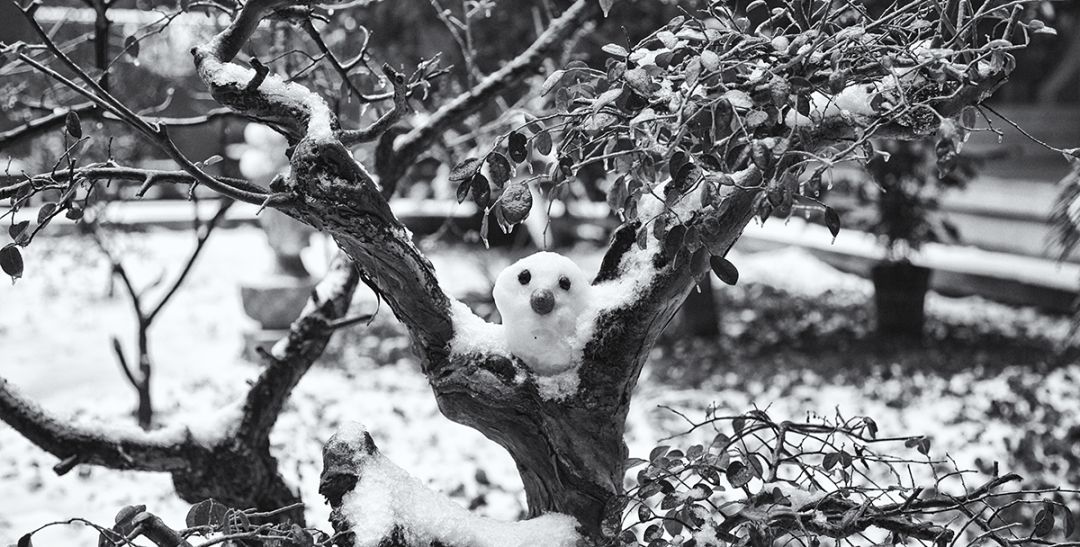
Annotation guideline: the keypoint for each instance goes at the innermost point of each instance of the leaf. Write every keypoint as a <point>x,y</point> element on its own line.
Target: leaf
<point>1044,522</point>
<point>73,125</point>
<point>755,5</point>
<point>45,212</point>
<point>463,189</point>
<point>738,474</point>
<point>499,169</point>
<point>300,537</point>
<point>216,158</point>
<point>206,513</point>
<point>673,526</point>
<point>542,143</point>
<point>738,99</point>
<point>515,203</point>
<point>658,452</point>
<point>673,241</point>
<point>692,72</point>
<point>25,541</point>
<point>74,213</point>
<point>724,269</point>
<point>552,80</point>
<point>634,462</point>
<point>738,424</point>
<point>606,98</point>
<point>605,5</point>
<point>464,170</point>
<point>644,513</point>
<point>639,80</point>
<point>756,118</point>
<point>616,50</point>
<point>481,191</point>
<point>710,61</point>
<point>17,229</point>
<point>516,143</point>
<point>830,460</point>
<point>832,221</point>
<point>131,46</point>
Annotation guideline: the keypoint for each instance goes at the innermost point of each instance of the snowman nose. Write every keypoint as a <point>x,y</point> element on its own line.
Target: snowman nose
<point>542,301</point>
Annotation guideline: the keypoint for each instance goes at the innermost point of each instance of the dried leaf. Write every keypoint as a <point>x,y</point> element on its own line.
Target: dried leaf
<point>464,170</point>
<point>206,513</point>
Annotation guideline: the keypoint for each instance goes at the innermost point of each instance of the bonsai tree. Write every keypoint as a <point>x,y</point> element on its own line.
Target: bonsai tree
<point>899,203</point>
<point>708,121</point>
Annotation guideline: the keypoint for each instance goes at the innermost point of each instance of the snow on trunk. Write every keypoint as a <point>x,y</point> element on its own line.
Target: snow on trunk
<point>377,502</point>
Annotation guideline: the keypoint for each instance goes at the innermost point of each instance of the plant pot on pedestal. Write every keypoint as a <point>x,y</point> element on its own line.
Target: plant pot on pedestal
<point>275,300</point>
<point>900,297</point>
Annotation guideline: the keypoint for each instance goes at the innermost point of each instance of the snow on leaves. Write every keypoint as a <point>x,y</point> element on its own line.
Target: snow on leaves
<point>735,489</point>
<point>703,98</point>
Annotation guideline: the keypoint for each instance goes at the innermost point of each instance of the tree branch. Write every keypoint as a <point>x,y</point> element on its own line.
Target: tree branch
<point>295,354</point>
<point>108,447</point>
<point>419,139</point>
<point>146,177</point>
<point>91,111</point>
<point>200,241</point>
<point>377,128</point>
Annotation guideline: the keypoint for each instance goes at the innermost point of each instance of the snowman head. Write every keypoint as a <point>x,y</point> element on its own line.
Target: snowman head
<point>541,298</point>
<point>539,287</point>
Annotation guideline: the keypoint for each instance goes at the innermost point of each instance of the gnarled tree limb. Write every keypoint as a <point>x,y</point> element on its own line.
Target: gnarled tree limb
<point>232,465</point>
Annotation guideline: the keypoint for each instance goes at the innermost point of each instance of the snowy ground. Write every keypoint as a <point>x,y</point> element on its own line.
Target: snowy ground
<point>54,344</point>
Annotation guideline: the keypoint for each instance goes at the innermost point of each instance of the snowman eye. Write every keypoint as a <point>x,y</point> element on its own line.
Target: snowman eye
<point>564,282</point>
<point>524,277</point>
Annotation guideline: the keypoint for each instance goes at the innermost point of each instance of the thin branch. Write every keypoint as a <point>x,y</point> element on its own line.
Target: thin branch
<point>146,177</point>
<point>377,128</point>
<point>200,241</point>
<point>414,143</point>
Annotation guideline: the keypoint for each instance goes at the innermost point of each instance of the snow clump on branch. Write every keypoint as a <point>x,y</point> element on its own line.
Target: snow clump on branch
<point>386,502</point>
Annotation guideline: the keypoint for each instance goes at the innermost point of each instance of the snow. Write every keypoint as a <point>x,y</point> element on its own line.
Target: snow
<point>278,91</point>
<point>544,339</point>
<point>473,335</point>
<point>853,100</point>
<point>58,353</point>
<point>387,496</point>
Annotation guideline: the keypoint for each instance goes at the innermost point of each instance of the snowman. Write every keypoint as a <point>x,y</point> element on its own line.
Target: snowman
<point>541,298</point>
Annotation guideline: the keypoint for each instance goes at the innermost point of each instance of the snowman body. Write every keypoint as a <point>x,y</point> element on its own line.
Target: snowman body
<point>541,298</point>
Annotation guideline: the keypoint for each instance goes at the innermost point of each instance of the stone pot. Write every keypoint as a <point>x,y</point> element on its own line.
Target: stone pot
<point>900,297</point>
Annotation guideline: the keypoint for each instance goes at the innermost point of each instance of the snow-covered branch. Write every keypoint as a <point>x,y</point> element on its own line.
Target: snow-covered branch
<point>225,455</point>
<point>293,355</point>
<point>377,503</point>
